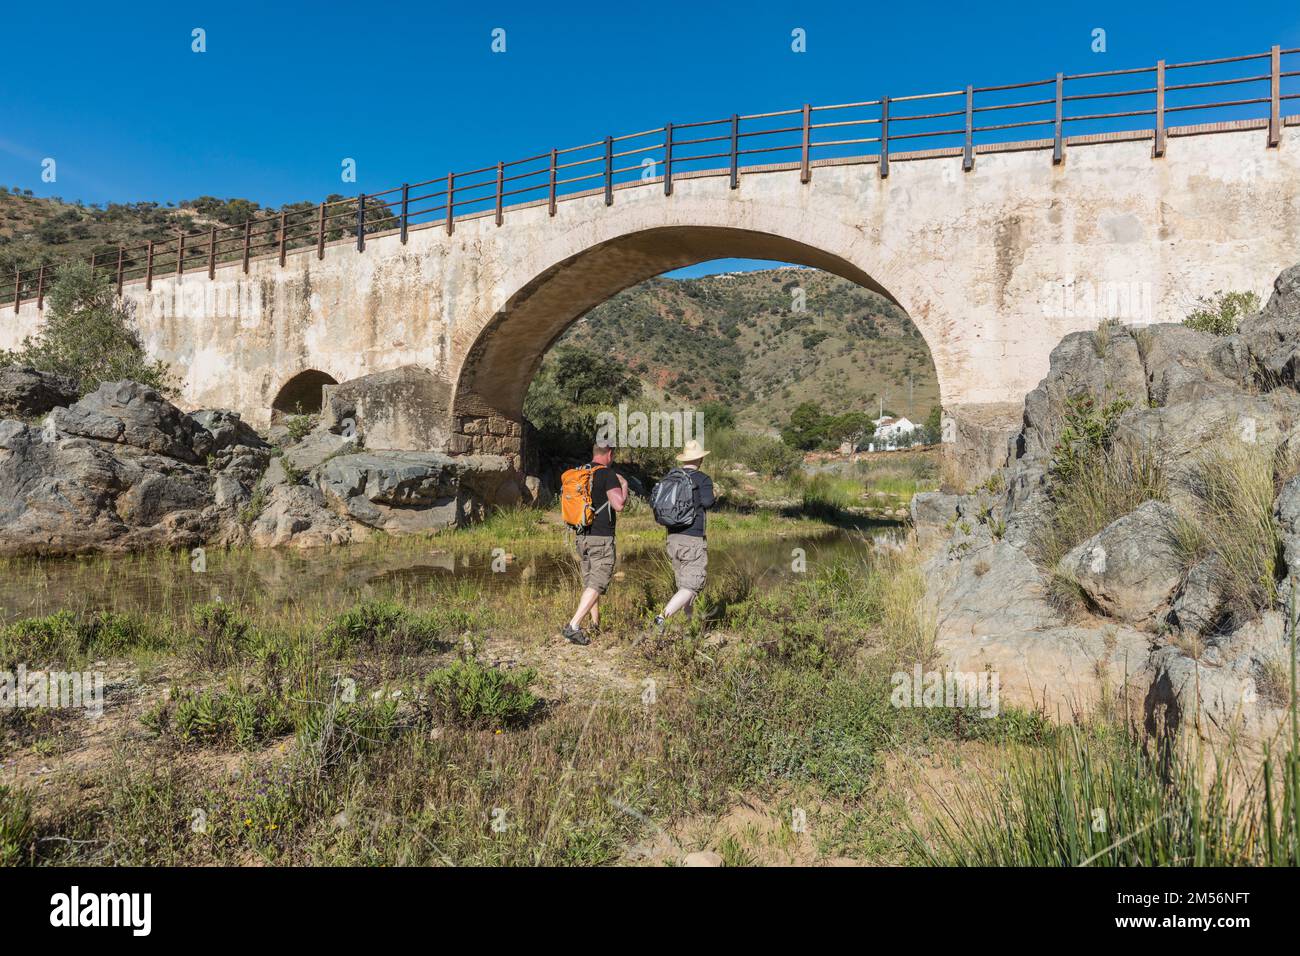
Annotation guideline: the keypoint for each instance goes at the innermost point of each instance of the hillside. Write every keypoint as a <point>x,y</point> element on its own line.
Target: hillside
<point>36,230</point>
<point>737,338</point>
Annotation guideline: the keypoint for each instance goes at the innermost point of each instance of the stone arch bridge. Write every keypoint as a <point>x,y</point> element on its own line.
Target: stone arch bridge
<point>995,249</point>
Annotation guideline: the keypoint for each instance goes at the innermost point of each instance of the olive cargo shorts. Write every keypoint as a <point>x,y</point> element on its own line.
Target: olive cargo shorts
<point>596,558</point>
<point>690,558</point>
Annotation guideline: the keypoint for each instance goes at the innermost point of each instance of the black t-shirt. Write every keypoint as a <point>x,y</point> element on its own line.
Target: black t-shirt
<point>703,501</point>
<point>605,520</point>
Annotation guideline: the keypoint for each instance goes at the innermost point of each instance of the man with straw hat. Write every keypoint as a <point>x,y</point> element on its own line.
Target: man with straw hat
<point>688,548</point>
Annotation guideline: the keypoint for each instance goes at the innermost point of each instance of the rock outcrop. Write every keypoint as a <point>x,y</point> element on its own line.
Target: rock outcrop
<point>28,393</point>
<point>1133,611</point>
<point>123,469</point>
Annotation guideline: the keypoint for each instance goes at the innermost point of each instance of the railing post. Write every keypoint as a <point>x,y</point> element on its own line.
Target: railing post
<point>40,288</point>
<point>735,151</point>
<point>284,233</point>
<point>668,159</point>
<point>609,170</point>
<point>248,241</point>
<point>18,290</point>
<point>451,202</point>
<point>361,223</point>
<point>320,233</point>
<point>968,153</point>
<point>554,157</point>
<point>1275,97</point>
<point>884,137</point>
<point>406,206</point>
<point>212,253</point>
<point>93,257</point>
<point>120,253</point>
<point>805,165</point>
<point>1158,148</point>
<point>501,174</point>
<point>180,253</point>
<point>1058,132</point>
<point>148,267</point>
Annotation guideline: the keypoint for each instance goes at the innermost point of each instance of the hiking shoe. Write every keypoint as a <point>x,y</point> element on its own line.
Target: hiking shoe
<point>660,623</point>
<point>575,635</point>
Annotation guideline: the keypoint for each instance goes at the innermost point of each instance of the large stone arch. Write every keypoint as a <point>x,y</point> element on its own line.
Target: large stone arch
<point>546,293</point>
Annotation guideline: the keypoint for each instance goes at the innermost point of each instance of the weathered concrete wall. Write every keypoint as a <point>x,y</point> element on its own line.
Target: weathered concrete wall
<point>986,263</point>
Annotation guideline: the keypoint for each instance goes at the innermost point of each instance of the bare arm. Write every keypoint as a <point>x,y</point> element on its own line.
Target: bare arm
<point>617,497</point>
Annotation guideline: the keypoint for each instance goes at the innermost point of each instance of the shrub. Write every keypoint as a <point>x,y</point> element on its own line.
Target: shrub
<point>89,335</point>
<point>388,626</point>
<point>1221,313</point>
<point>222,635</point>
<point>1086,433</point>
<point>471,695</point>
<point>65,637</point>
<point>770,457</point>
<point>245,718</point>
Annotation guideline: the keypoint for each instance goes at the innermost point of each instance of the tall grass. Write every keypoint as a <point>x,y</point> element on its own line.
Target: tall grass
<point>1106,799</point>
<point>1233,491</point>
<point>1109,797</point>
<point>1112,483</point>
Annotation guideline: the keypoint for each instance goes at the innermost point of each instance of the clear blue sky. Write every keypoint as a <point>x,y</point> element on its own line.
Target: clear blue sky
<point>285,91</point>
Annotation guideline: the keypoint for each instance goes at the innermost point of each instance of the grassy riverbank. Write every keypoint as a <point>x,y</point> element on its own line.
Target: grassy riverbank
<point>442,721</point>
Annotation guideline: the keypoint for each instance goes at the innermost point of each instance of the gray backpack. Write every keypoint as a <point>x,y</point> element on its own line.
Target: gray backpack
<point>673,500</point>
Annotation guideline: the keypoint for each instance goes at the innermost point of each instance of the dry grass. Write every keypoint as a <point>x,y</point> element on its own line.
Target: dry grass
<point>1115,482</point>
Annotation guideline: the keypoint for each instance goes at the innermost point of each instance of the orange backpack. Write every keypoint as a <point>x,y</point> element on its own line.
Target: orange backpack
<point>576,507</point>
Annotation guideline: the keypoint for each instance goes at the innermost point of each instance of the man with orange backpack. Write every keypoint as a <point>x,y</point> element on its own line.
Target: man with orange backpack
<point>589,497</point>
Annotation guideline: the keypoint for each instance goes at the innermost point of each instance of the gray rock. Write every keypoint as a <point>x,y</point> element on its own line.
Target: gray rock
<point>1198,605</point>
<point>993,588</point>
<point>317,448</point>
<point>1180,434</point>
<point>1286,509</point>
<point>412,492</point>
<point>227,429</point>
<point>75,495</point>
<point>933,515</point>
<point>128,413</point>
<point>1272,336</point>
<point>401,409</point>
<point>1027,500</point>
<point>1184,365</point>
<point>298,516</point>
<point>26,392</point>
<point>1219,694</point>
<point>1106,365</point>
<point>1130,568</point>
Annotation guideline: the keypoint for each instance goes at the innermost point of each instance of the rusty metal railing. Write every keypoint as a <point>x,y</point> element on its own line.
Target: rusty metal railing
<point>961,122</point>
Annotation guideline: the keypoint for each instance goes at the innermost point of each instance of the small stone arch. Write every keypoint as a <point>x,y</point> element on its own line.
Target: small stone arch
<point>303,394</point>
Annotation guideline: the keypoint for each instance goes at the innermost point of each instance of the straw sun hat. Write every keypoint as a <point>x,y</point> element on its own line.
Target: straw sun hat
<point>693,451</point>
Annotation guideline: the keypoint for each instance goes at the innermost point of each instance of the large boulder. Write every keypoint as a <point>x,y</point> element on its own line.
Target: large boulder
<point>69,495</point>
<point>412,492</point>
<point>297,516</point>
<point>1272,336</point>
<point>128,413</point>
<point>1185,365</point>
<point>28,393</point>
<point>401,409</point>
<point>1130,568</point>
